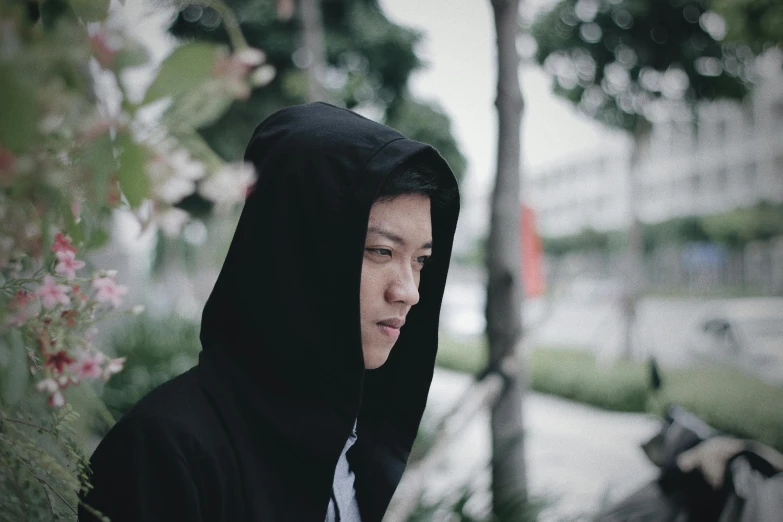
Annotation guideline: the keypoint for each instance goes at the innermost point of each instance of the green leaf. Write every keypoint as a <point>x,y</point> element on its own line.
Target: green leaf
<point>132,172</point>
<point>99,237</point>
<point>72,228</point>
<point>18,112</point>
<point>199,149</point>
<point>199,107</point>
<point>53,11</point>
<point>132,55</point>
<point>17,372</point>
<point>98,158</point>
<point>91,10</point>
<point>185,69</point>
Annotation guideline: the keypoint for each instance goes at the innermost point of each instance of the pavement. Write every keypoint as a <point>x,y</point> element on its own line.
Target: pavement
<point>579,458</point>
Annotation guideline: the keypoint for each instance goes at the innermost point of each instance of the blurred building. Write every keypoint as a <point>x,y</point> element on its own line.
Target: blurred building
<point>729,156</point>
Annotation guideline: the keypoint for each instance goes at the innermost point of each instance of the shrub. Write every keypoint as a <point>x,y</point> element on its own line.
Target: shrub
<point>727,399</point>
<point>575,375</point>
<point>156,351</point>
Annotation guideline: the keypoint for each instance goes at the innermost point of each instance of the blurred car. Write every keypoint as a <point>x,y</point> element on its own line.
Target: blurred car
<point>747,333</point>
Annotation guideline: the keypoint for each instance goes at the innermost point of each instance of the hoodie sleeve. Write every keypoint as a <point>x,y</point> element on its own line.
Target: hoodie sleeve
<point>144,470</point>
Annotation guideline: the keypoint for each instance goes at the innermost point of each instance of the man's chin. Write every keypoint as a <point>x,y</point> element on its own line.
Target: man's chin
<point>376,358</point>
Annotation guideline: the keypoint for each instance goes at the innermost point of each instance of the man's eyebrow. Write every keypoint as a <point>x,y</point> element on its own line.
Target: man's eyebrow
<point>393,237</point>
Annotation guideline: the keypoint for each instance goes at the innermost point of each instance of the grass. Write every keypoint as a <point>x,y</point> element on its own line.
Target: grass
<point>727,399</point>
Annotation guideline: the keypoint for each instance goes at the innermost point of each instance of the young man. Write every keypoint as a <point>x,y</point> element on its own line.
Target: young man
<point>318,339</point>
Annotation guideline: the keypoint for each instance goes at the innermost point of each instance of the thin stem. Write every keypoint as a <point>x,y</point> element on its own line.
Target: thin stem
<point>19,494</point>
<point>42,481</point>
<point>230,21</point>
<point>31,355</point>
<point>25,423</point>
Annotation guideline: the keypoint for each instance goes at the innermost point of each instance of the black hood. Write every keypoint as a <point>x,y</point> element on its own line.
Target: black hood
<point>281,336</point>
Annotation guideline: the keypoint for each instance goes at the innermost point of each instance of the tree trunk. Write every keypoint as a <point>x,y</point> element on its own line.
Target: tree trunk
<point>504,291</point>
<point>314,44</point>
<point>635,276</point>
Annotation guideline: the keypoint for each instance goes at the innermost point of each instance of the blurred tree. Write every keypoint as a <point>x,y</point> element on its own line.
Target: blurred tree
<point>757,23</point>
<point>427,123</point>
<point>504,288</point>
<point>619,61</point>
<point>367,63</point>
<point>624,61</point>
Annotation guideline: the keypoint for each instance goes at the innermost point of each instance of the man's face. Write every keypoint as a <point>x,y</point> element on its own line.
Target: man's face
<point>399,241</point>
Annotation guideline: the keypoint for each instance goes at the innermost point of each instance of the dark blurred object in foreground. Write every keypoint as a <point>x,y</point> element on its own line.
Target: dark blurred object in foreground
<point>705,476</point>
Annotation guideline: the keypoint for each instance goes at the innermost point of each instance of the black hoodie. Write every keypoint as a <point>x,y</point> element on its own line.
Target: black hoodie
<point>254,432</point>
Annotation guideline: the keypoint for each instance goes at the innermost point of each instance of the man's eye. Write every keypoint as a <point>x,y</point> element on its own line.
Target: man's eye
<point>422,260</point>
<point>379,251</point>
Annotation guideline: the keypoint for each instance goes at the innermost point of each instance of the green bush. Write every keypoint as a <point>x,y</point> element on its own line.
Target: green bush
<point>156,351</point>
<point>727,399</point>
<point>730,401</point>
<point>462,355</point>
<point>575,375</point>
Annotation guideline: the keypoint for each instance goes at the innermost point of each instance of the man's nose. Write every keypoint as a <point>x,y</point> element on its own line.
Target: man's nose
<point>404,288</point>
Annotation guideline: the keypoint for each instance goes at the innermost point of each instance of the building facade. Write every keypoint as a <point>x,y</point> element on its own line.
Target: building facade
<point>728,156</point>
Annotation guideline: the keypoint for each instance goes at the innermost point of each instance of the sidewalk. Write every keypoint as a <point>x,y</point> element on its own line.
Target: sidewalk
<point>578,457</point>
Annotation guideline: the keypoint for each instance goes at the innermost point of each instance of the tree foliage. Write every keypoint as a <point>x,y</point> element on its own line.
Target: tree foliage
<point>74,149</point>
<point>369,62</point>
<point>757,23</point>
<point>618,59</point>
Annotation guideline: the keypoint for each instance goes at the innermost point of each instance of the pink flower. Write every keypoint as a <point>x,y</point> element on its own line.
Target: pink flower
<point>17,319</point>
<point>62,243</point>
<point>89,366</point>
<point>114,366</point>
<point>59,360</point>
<point>68,264</point>
<point>20,300</point>
<point>51,293</point>
<point>109,291</point>
<point>104,48</point>
<point>19,304</point>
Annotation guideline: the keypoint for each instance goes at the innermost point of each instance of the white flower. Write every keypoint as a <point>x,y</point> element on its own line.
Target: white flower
<point>230,185</point>
<point>47,385</point>
<point>250,57</point>
<point>173,175</point>
<point>114,366</point>
<point>263,75</point>
<point>174,189</point>
<point>57,399</point>
<point>171,221</point>
<point>183,165</point>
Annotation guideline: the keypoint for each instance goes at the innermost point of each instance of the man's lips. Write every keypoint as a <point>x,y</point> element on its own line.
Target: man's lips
<point>391,327</point>
<point>392,323</point>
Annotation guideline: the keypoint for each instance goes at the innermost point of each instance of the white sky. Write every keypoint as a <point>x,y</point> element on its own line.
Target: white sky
<point>459,47</point>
